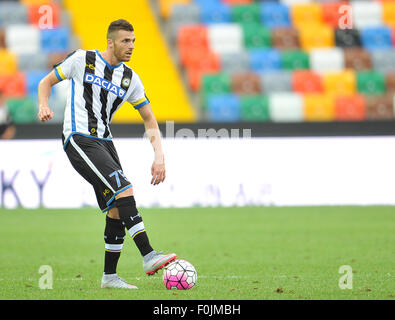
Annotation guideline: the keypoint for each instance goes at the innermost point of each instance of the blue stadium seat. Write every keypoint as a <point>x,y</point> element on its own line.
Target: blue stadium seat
<point>275,15</point>
<point>214,12</point>
<point>32,80</point>
<point>224,107</point>
<point>55,40</point>
<point>265,60</point>
<point>376,37</point>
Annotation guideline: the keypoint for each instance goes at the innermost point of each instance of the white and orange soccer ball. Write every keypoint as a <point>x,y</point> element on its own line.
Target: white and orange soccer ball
<point>179,274</point>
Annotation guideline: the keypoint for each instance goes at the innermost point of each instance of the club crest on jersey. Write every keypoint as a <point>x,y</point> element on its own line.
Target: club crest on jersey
<point>125,83</point>
<point>107,85</point>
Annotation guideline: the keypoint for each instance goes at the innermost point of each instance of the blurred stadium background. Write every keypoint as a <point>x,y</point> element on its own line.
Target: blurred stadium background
<point>288,68</point>
<point>317,98</point>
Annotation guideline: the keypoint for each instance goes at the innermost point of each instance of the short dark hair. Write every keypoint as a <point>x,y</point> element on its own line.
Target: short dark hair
<point>117,25</point>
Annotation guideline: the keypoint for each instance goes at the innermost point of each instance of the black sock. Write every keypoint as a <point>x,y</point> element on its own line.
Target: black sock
<point>134,223</point>
<point>114,234</point>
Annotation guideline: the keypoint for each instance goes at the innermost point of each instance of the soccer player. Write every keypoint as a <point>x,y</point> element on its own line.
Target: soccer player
<point>100,83</point>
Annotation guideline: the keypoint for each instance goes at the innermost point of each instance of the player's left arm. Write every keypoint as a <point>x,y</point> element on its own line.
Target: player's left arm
<point>158,169</point>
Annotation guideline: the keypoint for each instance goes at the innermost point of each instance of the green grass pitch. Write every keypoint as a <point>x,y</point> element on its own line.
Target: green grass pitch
<point>250,253</point>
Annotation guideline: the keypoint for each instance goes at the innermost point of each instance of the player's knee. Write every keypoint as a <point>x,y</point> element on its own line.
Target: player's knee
<point>128,212</point>
<point>113,213</point>
<point>126,193</point>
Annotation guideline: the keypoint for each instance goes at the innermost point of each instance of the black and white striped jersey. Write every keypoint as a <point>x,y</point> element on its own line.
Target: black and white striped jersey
<point>97,90</point>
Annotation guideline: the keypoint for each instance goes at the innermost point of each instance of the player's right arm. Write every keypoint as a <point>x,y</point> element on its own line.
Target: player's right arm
<point>44,92</point>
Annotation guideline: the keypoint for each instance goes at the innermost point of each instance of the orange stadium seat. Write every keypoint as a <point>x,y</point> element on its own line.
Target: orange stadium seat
<point>340,83</point>
<point>13,85</point>
<point>380,107</point>
<point>306,14</point>
<point>199,64</point>
<point>319,107</point>
<point>332,13</point>
<point>306,82</point>
<point>37,16</point>
<point>350,108</point>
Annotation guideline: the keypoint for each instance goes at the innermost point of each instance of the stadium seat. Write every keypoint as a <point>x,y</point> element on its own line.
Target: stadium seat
<point>254,108</point>
<point>216,84</point>
<point>326,60</point>
<point>340,83</point>
<point>275,15</point>
<point>347,38</point>
<point>295,60</point>
<point>272,82</point>
<point>32,80</point>
<point>55,40</point>
<point>380,107</point>
<point>370,82</point>
<point>306,82</point>
<point>319,107</point>
<point>44,16</point>
<point>235,61</point>
<point>306,14</point>
<point>317,36</point>
<point>199,64</point>
<point>2,38</point>
<point>8,62</point>
<point>351,108</point>
<point>357,58</point>
<point>376,38</point>
<point>214,12</point>
<point>246,13</point>
<point>12,12</point>
<point>333,14</point>
<point>366,13</point>
<point>192,39</point>
<point>13,85</point>
<point>183,14</point>
<point>390,82</point>
<point>22,110</point>
<point>31,61</point>
<point>23,39</point>
<point>389,13</point>
<point>384,60</point>
<point>223,108</point>
<point>285,38</point>
<point>225,37</point>
<point>247,83</point>
<point>265,60</point>
<point>256,36</point>
<point>285,107</point>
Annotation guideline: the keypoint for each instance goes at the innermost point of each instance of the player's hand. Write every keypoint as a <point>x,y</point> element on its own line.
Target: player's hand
<point>45,113</point>
<point>158,172</point>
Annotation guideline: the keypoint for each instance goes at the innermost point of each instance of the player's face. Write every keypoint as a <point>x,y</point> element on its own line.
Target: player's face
<point>124,45</point>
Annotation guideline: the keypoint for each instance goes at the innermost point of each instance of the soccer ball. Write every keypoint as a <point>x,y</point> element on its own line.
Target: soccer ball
<point>179,274</point>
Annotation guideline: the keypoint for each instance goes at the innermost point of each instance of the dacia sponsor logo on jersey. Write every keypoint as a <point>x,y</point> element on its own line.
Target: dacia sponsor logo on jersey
<point>109,86</point>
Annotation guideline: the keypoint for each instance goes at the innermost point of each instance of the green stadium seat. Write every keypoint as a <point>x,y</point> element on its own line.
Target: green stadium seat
<point>216,83</point>
<point>295,59</point>
<point>255,108</point>
<point>246,13</point>
<point>371,82</point>
<point>22,110</point>
<point>256,36</point>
